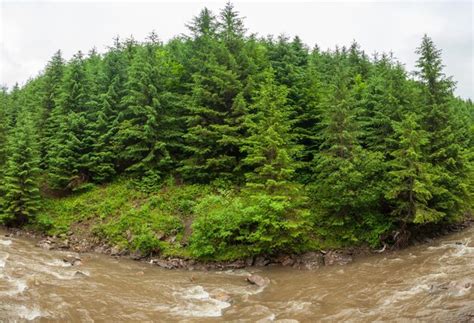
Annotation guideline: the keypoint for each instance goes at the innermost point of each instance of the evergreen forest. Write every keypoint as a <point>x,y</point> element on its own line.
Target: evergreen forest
<point>221,144</point>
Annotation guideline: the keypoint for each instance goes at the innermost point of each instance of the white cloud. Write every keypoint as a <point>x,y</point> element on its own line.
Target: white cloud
<point>30,32</point>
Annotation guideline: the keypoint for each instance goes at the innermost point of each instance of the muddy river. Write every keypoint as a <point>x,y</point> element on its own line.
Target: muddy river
<point>427,283</point>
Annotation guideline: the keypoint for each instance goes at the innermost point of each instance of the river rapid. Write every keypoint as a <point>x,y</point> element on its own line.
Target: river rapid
<point>427,283</point>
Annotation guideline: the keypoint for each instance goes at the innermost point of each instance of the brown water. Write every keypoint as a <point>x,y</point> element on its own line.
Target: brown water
<point>428,283</point>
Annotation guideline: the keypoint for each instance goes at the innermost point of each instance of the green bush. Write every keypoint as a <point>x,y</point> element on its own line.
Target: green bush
<point>230,227</point>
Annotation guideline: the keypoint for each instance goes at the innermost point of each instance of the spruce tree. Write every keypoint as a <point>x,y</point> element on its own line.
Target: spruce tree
<point>69,156</point>
<point>109,105</point>
<point>412,180</point>
<point>445,150</point>
<point>52,82</point>
<point>270,148</point>
<point>148,130</point>
<point>20,184</point>
<point>345,187</point>
<point>3,141</point>
<point>211,112</point>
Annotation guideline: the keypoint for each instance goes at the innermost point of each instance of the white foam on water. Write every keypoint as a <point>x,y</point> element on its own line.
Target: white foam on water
<point>53,270</point>
<point>29,314</point>
<point>5,242</point>
<point>3,261</point>
<point>58,263</point>
<point>18,286</point>
<point>197,303</point>
<point>270,318</point>
<point>406,294</point>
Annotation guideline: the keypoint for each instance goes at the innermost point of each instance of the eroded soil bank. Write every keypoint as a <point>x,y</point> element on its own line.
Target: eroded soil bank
<point>308,261</point>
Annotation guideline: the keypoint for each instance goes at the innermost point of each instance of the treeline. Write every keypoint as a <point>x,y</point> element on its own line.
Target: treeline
<point>313,142</point>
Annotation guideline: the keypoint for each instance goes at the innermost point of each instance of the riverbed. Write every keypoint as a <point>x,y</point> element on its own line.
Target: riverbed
<point>429,283</point>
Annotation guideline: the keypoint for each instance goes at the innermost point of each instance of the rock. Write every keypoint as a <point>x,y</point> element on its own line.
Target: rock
<point>460,287</point>
<point>289,261</point>
<point>258,280</point>
<point>115,251</point>
<point>80,274</point>
<point>222,296</point>
<point>46,244</point>
<point>453,287</point>
<point>137,255</point>
<point>334,258</point>
<point>171,239</point>
<point>311,260</point>
<point>159,235</point>
<point>63,244</point>
<point>236,264</point>
<point>438,288</point>
<point>100,249</point>
<point>169,263</point>
<point>249,262</point>
<point>261,261</point>
<point>284,260</point>
<point>72,260</point>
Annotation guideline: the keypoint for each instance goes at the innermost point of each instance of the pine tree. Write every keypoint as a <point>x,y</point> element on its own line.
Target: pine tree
<point>109,105</point>
<point>445,151</point>
<point>211,112</point>
<point>270,148</point>
<point>345,187</point>
<point>411,179</point>
<point>3,140</point>
<point>308,115</point>
<point>22,198</point>
<point>231,28</point>
<point>52,81</point>
<point>148,130</point>
<point>69,156</point>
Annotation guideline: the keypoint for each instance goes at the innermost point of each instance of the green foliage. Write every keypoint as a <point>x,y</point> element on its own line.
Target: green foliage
<point>20,182</point>
<point>412,179</point>
<point>229,227</point>
<point>346,187</point>
<point>270,148</point>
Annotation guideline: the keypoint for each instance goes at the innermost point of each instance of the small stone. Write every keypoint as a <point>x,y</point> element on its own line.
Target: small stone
<point>261,261</point>
<point>80,274</point>
<point>222,296</point>
<point>249,262</point>
<point>333,258</point>
<point>72,260</point>
<point>236,264</point>
<point>311,260</point>
<point>115,251</point>
<point>258,280</point>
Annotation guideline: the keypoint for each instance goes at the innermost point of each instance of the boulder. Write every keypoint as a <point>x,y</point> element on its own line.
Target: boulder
<point>311,260</point>
<point>115,251</point>
<point>222,296</point>
<point>136,255</point>
<point>238,264</point>
<point>80,274</point>
<point>173,263</point>
<point>258,280</point>
<point>284,260</point>
<point>46,244</point>
<point>72,260</point>
<point>335,258</point>
<point>261,261</point>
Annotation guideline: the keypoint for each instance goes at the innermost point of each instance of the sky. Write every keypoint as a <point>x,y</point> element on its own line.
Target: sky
<point>31,31</point>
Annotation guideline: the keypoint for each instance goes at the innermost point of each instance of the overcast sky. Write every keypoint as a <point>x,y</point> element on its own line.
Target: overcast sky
<point>30,32</point>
